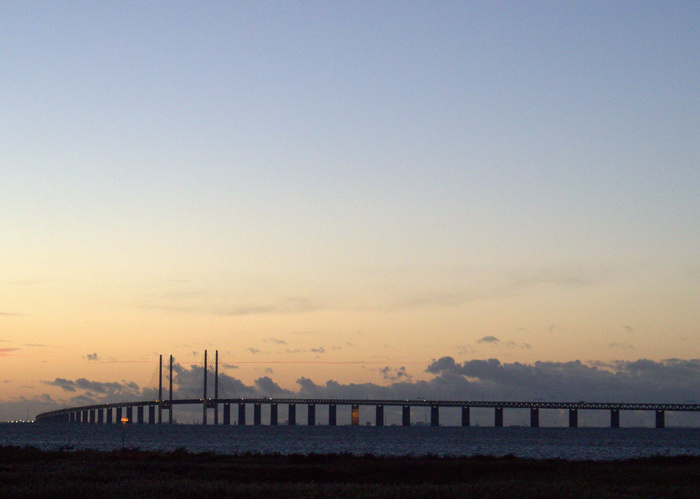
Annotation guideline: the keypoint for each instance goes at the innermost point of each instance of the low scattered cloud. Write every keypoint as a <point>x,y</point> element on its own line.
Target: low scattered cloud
<point>643,380</point>
<point>92,357</point>
<point>318,350</point>
<point>275,341</point>
<point>393,374</point>
<point>625,346</point>
<point>521,346</point>
<point>8,352</point>
<point>489,339</point>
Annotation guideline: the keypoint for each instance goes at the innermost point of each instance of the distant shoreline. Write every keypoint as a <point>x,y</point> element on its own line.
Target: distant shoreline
<point>27,471</point>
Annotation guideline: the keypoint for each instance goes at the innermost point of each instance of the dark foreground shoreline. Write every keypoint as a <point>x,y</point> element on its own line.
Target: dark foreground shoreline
<point>29,472</point>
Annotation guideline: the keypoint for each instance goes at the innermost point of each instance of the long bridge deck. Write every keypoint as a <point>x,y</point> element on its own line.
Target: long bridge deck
<point>103,413</point>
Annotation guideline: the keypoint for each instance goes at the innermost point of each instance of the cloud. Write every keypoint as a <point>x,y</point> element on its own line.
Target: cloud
<point>275,340</point>
<point>643,380</point>
<point>489,339</point>
<point>392,374</point>
<point>523,346</point>
<point>210,303</point>
<point>8,352</point>
<point>63,383</point>
<point>626,346</point>
<point>318,350</point>
<point>97,391</point>
<point>253,350</point>
<point>91,356</point>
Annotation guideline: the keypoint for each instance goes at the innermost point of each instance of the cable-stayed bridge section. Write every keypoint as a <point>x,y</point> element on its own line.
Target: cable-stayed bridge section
<point>152,411</point>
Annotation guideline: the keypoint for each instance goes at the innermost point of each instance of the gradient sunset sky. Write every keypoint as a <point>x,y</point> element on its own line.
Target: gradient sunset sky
<point>331,189</point>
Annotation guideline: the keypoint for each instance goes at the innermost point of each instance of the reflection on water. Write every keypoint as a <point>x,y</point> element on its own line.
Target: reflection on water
<point>567,443</point>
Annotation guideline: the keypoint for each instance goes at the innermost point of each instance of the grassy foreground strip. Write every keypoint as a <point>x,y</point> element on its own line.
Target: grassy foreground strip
<point>29,472</point>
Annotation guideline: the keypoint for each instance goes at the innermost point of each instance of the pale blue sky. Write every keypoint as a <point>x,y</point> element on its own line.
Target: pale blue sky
<point>399,176</point>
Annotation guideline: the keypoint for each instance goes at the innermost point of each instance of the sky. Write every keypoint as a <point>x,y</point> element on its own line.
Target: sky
<point>349,193</point>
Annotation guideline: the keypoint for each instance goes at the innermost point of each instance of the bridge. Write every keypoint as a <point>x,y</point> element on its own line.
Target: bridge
<point>151,411</point>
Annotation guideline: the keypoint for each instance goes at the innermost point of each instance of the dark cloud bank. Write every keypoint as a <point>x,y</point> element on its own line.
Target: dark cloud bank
<point>671,380</point>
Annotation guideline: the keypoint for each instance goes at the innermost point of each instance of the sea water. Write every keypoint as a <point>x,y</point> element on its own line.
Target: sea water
<point>541,443</point>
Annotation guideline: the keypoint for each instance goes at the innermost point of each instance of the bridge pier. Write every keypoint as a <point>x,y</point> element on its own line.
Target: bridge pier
<point>241,414</point>
<point>660,419</point>
<point>332,415</point>
<point>379,417</point>
<point>119,415</point>
<point>573,418</point>
<point>498,417</point>
<point>109,419</point>
<point>311,414</point>
<point>465,416</point>
<point>614,418</point>
<point>227,414</point>
<point>151,414</point>
<point>139,414</point>
<point>273,414</point>
<point>292,414</point>
<point>406,415</point>
<point>434,415</point>
<point>100,416</point>
<point>534,417</point>
<point>257,414</point>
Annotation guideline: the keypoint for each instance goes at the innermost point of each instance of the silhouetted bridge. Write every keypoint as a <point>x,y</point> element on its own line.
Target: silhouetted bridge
<point>152,411</point>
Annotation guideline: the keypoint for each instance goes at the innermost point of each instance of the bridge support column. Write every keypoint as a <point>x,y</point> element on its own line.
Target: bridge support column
<point>355,415</point>
<point>573,418</point>
<point>151,414</point>
<point>534,417</point>
<point>139,414</point>
<point>406,415</point>
<point>614,418</point>
<point>273,414</point>
<point>257,414</point>
<point>660,419</point>
<point>130,414</point>
<point>311,414</point>
<point>498,417</point>
<point>292,414</point>
<point>241,414</point>
<point>379,418</point>
<point>227,414</point>
<point>91,414</point>
<point>83,416</point>
<point>119,415</point>
<point>108,418</point>
<point>101,416</point>
<point>465,416</point>
<point>332,415</point>
<point>434,415</point>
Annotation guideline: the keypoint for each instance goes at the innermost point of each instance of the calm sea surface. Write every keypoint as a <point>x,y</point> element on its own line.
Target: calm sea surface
<point>568,443</point>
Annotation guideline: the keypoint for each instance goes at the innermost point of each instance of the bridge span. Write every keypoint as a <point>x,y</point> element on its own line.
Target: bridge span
<point>151,411</point>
